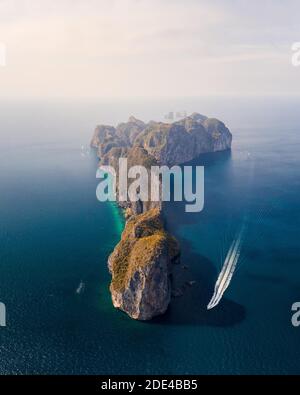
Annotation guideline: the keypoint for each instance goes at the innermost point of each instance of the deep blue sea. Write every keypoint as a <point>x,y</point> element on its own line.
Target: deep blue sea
<point>54,235</point>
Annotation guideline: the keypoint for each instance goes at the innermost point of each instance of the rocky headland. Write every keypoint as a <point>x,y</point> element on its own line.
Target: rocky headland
<point>141,263</point>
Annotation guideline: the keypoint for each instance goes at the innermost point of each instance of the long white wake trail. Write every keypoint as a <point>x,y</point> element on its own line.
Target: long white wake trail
<point>228,269</point>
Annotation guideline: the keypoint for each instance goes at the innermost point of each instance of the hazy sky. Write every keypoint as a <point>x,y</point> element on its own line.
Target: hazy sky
<point>129,48</point>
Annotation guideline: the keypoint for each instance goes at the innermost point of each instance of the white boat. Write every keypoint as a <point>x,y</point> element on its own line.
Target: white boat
<point>80,288</point>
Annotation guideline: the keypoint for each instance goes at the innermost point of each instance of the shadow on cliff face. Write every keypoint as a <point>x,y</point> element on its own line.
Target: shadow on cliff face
<point>190,307</point>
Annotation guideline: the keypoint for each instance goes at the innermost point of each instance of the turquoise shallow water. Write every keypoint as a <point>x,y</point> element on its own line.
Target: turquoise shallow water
<point>54,234</point>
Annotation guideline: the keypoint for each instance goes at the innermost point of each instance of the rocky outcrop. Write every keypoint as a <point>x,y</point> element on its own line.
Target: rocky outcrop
<point>182,141</point>
<point>141,264</point>
<point>168,143</point>
<point>135,156</point>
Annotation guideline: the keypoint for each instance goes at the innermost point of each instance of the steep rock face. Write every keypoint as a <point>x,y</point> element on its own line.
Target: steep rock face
<point>107,137</point>
<point>141,263</point>
<point>101,134</point>
<point>128,131</point>
<point>220,136</point>
<point>182,141</point>
<point>135,156</point>
<point>169,143</point>
<point>141,266</point>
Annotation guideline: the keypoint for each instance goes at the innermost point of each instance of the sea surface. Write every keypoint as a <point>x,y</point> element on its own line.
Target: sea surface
<point>55,238</point>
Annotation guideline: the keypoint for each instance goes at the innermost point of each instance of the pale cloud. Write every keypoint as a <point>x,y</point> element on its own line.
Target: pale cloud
<point>83,48</point>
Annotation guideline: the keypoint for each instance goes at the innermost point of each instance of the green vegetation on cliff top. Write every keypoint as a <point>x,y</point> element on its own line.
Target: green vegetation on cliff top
<point>143,240</point>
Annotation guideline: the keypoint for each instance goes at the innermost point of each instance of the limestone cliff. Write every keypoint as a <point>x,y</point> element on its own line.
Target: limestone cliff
<point>168,143</point>
<point>140,266</point>
<point>141,263</point>
<point>182,141</point>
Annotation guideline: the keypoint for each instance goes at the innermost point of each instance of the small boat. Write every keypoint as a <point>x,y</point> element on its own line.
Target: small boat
<point>80,288</point>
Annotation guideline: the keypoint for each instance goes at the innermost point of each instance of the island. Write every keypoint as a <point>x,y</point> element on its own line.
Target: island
<point>141,263</point>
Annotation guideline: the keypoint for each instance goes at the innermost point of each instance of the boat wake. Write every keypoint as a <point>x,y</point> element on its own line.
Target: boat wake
<point>228,268</point>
